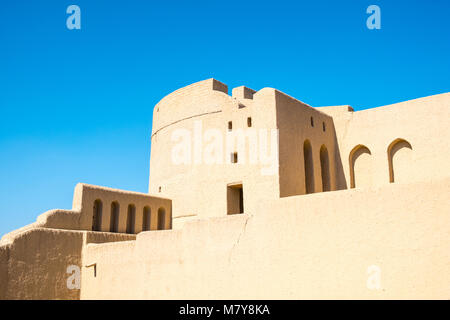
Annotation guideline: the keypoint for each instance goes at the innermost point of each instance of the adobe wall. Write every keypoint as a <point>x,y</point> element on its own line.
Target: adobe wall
<point>37,263</point>
<point>308,246</point>
<point>4,257</point>
<point>34,262</point>
<point>356,145</point>
<point>34,259</point>
<point>297,123</point>
<point>423,123</point>
<point>198,187</point>
<point>81,215</point>
<point>86,195</point>
<point>300,247</point>
<point>190,101</point>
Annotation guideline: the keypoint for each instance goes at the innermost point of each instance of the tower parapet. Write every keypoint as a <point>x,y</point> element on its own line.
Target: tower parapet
<point>188,102</point>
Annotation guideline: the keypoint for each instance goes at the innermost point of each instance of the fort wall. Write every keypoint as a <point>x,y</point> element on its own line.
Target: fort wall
<point>4,258</point>
<point>303,130</point>
<point>113,210</point>
<point>199,188</point>
<point>34,262</point>
<point>37,262</point>
<point>403,142</point>
<point>320,149</point>
<point>200,98</point>
<point>300,247</point>
<point>388,168</point>
<point>34,259</point>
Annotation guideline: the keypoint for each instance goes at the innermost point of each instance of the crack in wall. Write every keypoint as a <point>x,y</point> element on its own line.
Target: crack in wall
<point>187,118</point>
<point>239,237</point>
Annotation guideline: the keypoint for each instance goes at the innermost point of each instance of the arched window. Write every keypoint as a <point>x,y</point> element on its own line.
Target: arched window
<point>360,161</point>
<point>97,215</point>
<point>114,221</point>
<point>325,168</point>
<point>131,218</point>
<point>400,151</point>
<point>146,219</point>
<point>161,219</point>
<point>309,167</point>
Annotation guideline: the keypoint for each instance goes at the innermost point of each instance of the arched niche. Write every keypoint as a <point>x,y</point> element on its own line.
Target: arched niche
<point>399,154</point>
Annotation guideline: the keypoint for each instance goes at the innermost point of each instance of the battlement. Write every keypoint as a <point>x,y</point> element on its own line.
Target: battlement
<point>209,97</point>
<point>104,209</point>
<point>99,215</point>
<point>113,210</point>
<point>243,92</point>
<point>336,111</point>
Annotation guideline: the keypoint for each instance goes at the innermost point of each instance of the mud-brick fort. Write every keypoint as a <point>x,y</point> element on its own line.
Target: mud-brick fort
<point>351,191</point>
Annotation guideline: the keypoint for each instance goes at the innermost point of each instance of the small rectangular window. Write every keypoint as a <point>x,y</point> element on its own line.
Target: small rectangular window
<point>230,125</point>
<point>235,199</point>
<point>249,122</point>
<point>234,157</point>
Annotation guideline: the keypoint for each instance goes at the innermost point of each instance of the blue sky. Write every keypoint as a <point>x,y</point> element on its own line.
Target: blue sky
<point>76,105</point>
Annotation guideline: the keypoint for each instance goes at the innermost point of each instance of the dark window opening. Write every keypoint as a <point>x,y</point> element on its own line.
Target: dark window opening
<point>323,126</point>
<point>230,125</point>
<point>161,219</point>
<point>146,219</point>
<point>234,157</point>
<point>312,122</point>
<point>114,222</point>
<point>235,199</point>
<point>325,168</point>
<point>249,122</point>
<point>97,216</point>
<point>309,167</point>
<point>131,218</point>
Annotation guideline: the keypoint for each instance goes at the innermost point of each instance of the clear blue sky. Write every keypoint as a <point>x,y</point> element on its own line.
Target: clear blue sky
<point>76,105</point>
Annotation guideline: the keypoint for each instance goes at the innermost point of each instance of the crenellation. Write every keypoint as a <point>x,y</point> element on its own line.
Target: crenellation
<point>243,92</point>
